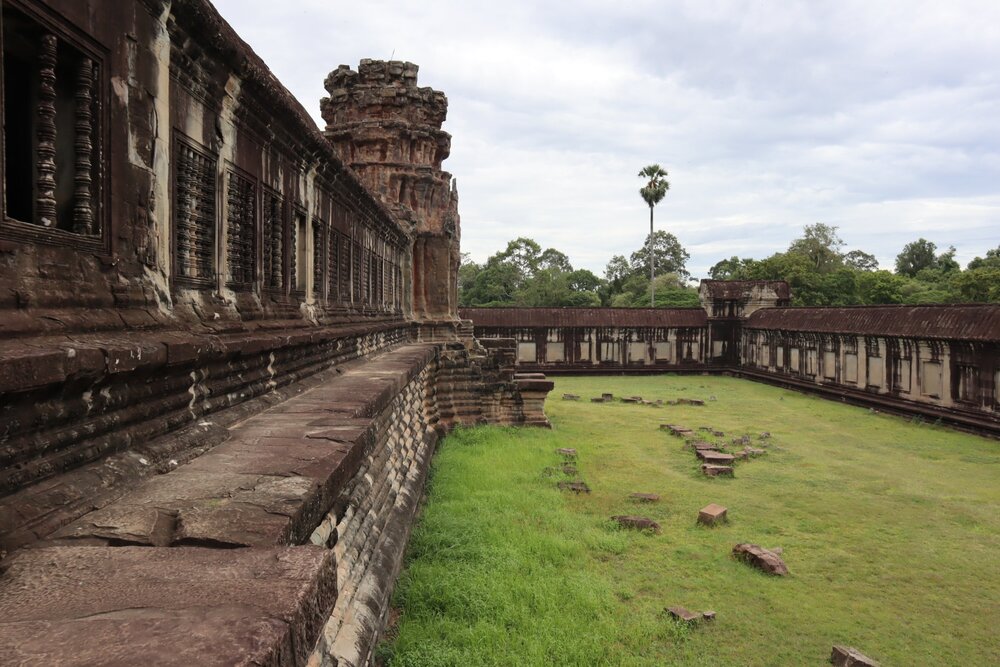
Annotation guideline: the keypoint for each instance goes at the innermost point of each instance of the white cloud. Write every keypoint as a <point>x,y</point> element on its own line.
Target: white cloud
<point>882,118</point>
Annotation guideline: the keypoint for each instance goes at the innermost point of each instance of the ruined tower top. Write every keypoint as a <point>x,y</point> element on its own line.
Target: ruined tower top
<point>388,129</point>
<point>381,90</point>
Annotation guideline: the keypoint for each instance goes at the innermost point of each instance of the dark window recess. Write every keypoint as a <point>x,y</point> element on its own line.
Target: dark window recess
<point>968,388</point>
<point>51,129</point>
<point>194,222</point>
<point>372,283</point>
<point>356,290</point>
<point>274,234</point>
<point>241,230</point>
<point>333,266</point>
<point>345,268</point>
<point>299,261</point>
<point>318,255</point>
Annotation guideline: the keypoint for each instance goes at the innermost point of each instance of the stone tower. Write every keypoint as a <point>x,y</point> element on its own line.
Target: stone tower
<point>388,130</point>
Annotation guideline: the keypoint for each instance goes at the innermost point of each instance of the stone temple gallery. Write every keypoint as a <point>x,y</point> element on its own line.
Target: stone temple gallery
<point>230,340</point>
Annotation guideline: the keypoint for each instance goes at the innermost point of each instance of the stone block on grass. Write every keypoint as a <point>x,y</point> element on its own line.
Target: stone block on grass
<point>765,560</point>
<point>636,522</point>
<point>711,470</point>
<point>715,457</point>
<point>712,514</point>
<point>683,614</point>
<point>644,497</point>
<point>575,487</point>
<point>848,656</point>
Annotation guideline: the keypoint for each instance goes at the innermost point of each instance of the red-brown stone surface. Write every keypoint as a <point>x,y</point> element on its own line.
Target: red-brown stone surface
<point>182,606</point>
<point>766,560</point>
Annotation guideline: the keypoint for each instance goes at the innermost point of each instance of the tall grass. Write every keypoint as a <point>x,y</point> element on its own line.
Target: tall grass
<point>890,530</point>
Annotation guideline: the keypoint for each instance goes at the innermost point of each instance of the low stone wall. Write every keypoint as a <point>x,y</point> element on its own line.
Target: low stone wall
<point>85,417</point>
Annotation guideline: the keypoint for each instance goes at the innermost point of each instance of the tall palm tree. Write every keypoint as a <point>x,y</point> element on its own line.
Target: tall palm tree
<point>653,193</point>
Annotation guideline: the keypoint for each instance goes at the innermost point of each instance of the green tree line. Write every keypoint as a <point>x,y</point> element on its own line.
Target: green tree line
<point>816,266</point>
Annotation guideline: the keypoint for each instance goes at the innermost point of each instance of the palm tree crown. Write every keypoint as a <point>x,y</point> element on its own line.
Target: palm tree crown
<point>656,188</point>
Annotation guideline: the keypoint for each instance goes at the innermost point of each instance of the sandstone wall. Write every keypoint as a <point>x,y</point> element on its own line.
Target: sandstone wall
<point>216,343</point>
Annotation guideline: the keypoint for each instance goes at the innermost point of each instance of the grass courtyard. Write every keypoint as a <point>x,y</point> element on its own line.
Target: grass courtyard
<point>890,529</point>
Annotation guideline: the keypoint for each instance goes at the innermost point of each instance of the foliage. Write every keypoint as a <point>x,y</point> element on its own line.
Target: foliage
<point>504,569</point>
<point>656,186</point>
<point>817,270</point>
<point>669,256</point>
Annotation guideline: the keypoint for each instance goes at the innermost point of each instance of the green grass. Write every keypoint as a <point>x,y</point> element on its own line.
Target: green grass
<point>890,529</point>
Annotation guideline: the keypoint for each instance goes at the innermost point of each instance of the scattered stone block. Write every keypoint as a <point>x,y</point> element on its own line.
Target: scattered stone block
<point>566,452</point>
<point>636,522</point>
<point>645,497</point>
<point>751,451</point>
<point>711,470</point>
<point>597,400</point>
<point>571,397</point>
<point>742,455</point>
<point>682,614</point>
<point>608,397</point>
<point>712,514</point>
<point>679,431</point>
<point>766,560</point>
<point>715,457</point>
<point>690,401</point>
<point>575,487</point>
<point>701,446</point>
<point>765,435</point>
<point>569,469</point>
<point>848,656</point>
<point>718,434</point>
<point>630,399</point>
<point>659,401</point>
<point>708,615</point>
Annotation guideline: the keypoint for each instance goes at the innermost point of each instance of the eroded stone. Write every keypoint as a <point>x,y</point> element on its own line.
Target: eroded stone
<point>848,656</point>
<point>636,522</point>
<point>766,560</point>
<point>712,514</point>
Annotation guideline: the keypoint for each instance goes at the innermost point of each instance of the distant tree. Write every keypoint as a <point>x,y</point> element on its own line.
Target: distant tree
<point>916,256</point>
<point>946,262</point>
<point>992,259</point>
<point>669,256</point>
<point>653,193</point>
<point>821,245</point>
<point>618,269</point>
<point>861,261</point>
<point>878,287</point>
<point>551,258</point>
<point>733,268</point>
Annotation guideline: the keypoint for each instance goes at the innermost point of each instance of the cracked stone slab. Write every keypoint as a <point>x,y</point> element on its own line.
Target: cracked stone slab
<point>270,483</point>
<point>181,606</point>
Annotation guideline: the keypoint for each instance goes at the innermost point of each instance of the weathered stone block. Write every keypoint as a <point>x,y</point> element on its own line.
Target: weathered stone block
<point>712,514</point>
<point>636,522</point>
<point>716,471</point>
<point>847,656</point>
<point>683,614</point>
<point>575,487</point>
<point>766,560</point>
<point>644,497</point>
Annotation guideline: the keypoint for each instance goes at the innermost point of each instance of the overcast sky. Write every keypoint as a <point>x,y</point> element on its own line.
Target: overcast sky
<point>882,118</point>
